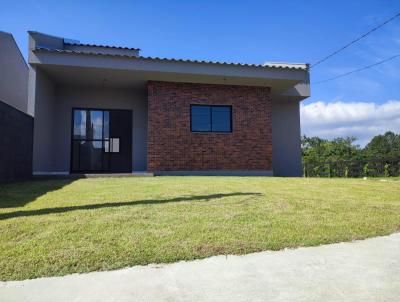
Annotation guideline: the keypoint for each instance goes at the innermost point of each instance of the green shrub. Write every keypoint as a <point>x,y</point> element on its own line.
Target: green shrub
<point>386,170</point>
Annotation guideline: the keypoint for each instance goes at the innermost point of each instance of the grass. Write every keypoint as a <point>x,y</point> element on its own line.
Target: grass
<point>56,227</point>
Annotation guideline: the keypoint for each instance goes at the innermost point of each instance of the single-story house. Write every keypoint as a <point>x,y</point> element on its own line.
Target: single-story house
<point>108,109</point>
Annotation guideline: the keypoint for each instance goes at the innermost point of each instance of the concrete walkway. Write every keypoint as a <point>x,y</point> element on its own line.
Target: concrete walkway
<point>366,270</point>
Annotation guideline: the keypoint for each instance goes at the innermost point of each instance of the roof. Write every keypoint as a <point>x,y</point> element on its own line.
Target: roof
<point>99,45</point>
<point>297,66</point>
<point>287,65</point>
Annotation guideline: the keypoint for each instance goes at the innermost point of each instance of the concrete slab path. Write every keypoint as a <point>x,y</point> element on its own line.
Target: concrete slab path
<point>366,270</point>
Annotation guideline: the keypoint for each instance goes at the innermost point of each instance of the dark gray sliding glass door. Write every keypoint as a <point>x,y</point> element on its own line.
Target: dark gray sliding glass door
<point>97,146</point>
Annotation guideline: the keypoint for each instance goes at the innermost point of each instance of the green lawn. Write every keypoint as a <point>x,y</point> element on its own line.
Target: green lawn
<point>56,227</point>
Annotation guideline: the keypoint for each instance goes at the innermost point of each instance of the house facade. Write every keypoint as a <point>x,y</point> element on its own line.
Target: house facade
<point>105,109</point>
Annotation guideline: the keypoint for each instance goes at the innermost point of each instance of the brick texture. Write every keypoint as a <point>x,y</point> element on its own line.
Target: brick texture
<point>173,147</point>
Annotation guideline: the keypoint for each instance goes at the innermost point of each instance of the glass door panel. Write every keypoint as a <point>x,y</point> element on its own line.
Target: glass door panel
<point>106,124</point>
<point>91,156</point>
<point>90,135</point>
<point>94,125</point>
<point>79,124</point>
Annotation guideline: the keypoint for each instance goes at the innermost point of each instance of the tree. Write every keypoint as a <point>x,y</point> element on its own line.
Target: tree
<point>383,146</point>
<point>341,157</point>
<point>315,149</point>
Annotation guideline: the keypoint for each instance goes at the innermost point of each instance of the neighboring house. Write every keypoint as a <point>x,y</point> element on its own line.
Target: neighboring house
<point>108,109</point>
<point>16,125</point>
<point>13,74</point>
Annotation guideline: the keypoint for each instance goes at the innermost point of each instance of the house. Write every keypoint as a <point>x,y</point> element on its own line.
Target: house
<point>16,125</point>
<point>13,75</point>
<point>109,109</point>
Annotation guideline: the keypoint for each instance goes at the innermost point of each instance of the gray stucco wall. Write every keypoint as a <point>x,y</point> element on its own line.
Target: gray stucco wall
<point>286,141</point>
<point>44,96</point>
<point>54,110</point>
<point>13,74</point>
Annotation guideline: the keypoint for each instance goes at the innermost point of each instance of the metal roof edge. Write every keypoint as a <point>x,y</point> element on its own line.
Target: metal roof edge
<point>99,45</point>
<point>287,66</point>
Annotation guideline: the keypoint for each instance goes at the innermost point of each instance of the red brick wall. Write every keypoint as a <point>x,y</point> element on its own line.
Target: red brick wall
<point>172,147</point>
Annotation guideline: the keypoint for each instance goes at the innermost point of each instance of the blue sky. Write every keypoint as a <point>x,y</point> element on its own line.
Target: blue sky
<point>248,32</point>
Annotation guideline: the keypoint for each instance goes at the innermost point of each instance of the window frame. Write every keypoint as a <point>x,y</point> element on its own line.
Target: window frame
<point>211,112</point>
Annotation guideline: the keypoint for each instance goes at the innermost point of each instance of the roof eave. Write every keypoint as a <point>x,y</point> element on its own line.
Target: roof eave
<point>303,67</point>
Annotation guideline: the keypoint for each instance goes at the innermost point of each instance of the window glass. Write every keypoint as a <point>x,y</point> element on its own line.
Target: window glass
<point>201,118</point>
<point>106,124</point>
<point>88,124</point>
<point>114,145</point>
<point>221,119</point>
<point>95,125</point>
<point>211,118</point>
<point>79,124</point>
<point>90,155</point>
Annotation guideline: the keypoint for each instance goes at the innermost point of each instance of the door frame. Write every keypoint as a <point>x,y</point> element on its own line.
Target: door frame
<point>91,140</point>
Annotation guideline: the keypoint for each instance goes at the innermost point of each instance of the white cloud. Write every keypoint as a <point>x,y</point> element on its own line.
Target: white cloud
<point>361,119</point>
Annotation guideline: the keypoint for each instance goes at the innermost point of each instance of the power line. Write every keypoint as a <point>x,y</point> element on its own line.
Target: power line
<point>357,70</point>
<point>355,40</point>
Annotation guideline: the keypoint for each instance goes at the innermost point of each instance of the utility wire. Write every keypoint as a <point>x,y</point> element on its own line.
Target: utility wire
<point>355,40</point>
<point>357,70</point>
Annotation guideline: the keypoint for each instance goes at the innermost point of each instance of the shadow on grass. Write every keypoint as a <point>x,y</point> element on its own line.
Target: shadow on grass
<point>18,194</point>
<point>118,204</point>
